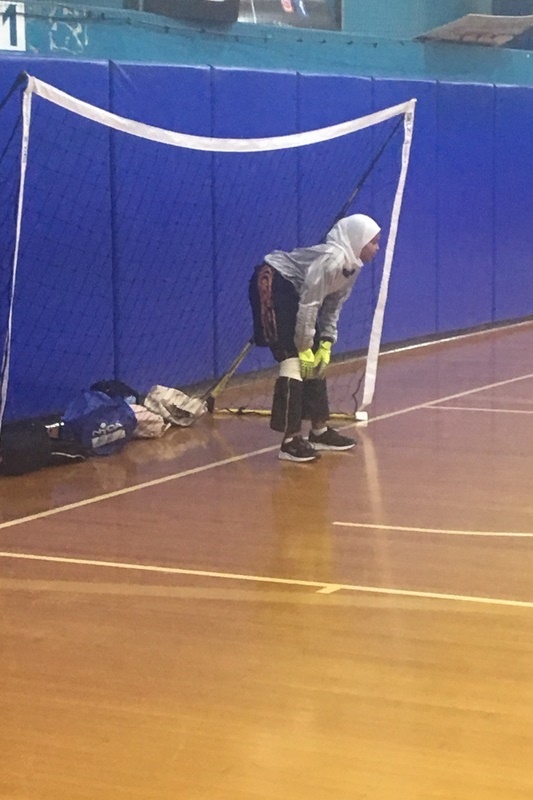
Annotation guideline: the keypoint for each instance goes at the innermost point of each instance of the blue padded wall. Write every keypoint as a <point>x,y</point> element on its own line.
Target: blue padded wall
<point>249,104</point>
<point>513,229</point>
<point>465,153</point>
<point>158,293</point>
<point>88,80</point>
<point>45,373</point>
<point>323,101</point>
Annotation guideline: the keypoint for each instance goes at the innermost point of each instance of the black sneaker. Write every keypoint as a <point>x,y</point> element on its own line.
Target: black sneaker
<point>298,450</point>
<point>331,440</point>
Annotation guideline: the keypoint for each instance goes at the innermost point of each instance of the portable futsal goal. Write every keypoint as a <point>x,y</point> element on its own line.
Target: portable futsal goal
<point>128,248</point>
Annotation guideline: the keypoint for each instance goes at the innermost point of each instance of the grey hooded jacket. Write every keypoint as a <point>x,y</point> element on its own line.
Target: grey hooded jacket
<point>324,276</point>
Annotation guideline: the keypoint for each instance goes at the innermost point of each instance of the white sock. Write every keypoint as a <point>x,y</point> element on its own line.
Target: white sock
<point>320,431</point>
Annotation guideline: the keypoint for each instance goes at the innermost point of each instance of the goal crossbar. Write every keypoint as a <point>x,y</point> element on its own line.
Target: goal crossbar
<point>213,144</point>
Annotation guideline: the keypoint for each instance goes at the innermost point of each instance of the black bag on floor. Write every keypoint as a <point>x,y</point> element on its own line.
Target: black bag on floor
<point>31,444</point>
<point>24,447</point>
<point>114,388</point>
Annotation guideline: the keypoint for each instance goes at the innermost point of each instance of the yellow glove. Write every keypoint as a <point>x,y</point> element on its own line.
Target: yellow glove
<point>307,364</point>
<point>322,358</point>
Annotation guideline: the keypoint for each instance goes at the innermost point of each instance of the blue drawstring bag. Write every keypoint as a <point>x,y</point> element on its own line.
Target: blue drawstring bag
<point>102,424</point>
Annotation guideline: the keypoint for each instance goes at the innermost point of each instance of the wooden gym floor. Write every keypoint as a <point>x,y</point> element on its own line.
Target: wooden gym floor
<point>195,620</point>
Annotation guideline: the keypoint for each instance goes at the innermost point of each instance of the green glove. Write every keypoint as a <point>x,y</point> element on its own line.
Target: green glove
<point>322,358</point>
<point>307,364</point>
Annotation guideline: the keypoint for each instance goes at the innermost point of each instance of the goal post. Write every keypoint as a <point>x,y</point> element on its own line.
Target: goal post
<point>128,247</point>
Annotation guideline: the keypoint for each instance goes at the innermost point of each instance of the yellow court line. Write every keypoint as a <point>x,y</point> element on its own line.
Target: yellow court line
<point>443,531</point>
<point>321,587</point>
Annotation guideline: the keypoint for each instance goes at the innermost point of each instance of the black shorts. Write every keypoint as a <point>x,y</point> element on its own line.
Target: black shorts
<point>274,302</point>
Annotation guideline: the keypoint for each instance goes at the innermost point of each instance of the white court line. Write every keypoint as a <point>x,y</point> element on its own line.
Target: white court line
<point>321,587</point>
<point>127,490</point>
<point>482,409</point>
<point>466,393</point>
<point>213,465</point>
<point>443,531</point>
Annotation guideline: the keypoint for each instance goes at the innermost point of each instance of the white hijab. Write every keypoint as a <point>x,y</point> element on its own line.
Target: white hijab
<point>352,234</point>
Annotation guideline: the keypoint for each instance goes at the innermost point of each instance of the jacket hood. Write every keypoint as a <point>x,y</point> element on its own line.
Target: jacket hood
<point>352,234</point>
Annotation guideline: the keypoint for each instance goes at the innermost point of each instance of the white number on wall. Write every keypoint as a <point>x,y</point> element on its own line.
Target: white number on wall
<point>12,26</point>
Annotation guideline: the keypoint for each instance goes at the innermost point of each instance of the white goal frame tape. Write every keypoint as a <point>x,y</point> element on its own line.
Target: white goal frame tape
<point>379,312</point>
<point>83,109</point>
